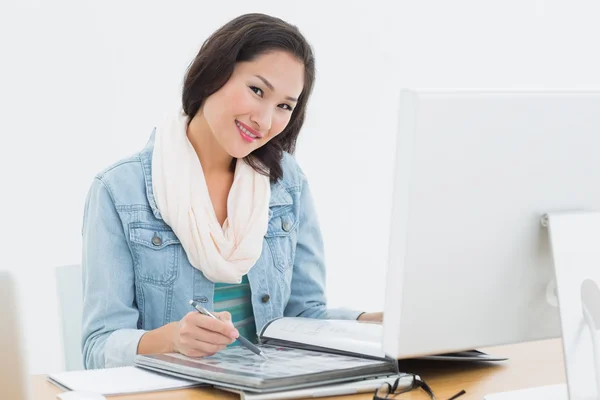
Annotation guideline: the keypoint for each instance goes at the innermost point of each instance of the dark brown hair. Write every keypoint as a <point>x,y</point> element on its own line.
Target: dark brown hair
<point>244,39</point>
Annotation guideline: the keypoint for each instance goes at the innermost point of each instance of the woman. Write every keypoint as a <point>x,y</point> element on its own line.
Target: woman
<point>214,209</point>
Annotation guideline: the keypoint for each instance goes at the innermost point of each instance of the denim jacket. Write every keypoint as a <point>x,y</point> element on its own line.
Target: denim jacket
<point>133,282</point>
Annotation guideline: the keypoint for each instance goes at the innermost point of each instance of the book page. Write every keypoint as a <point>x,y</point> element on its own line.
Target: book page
<point>345,335</point>
<point>282,362</point>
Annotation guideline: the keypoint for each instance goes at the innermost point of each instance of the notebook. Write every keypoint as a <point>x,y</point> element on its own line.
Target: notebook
<point>336,389</point>
<point>301,353</point>
<point>116,381</point>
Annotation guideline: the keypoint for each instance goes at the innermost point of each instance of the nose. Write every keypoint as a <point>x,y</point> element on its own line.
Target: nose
<point>262,118</point>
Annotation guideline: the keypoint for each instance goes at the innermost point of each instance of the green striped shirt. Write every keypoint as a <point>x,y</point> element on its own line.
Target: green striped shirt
<point>236,299</point>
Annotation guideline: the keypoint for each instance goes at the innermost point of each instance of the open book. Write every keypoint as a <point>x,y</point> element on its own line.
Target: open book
<point>302,352</point>
<point>362,339</point>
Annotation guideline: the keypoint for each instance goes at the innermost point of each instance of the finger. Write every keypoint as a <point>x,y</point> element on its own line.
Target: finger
<point>195,353</point>
<point>200,346</point>
<point>195,325</point>
<point>223,316</point>
<point>205,335</point>
<point>215,325</point>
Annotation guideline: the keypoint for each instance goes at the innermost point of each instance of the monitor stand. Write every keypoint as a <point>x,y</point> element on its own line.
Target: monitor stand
<point>575,243</point>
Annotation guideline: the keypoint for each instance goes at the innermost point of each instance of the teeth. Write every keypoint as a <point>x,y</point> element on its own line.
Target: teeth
<point>245,131</point>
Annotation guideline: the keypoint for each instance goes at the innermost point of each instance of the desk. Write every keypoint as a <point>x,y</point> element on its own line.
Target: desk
<point>531,364</point>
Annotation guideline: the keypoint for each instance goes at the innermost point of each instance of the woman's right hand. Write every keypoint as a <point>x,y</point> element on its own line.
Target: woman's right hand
<point>197,335</point>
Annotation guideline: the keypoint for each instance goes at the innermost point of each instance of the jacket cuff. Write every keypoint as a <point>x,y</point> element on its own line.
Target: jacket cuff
<point>343,313</point>
<point>121,347</point>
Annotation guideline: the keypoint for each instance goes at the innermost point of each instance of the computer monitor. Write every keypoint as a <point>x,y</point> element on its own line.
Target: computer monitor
<point>13,378</point>
<point>470,264</point>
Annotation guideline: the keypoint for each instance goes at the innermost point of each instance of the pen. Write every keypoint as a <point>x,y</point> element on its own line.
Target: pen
<point>240,338</point>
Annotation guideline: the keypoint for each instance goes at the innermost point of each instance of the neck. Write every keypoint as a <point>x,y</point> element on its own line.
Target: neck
<point>213,158</point>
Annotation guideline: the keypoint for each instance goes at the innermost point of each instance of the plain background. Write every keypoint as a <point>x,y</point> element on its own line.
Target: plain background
<point>82,84</point>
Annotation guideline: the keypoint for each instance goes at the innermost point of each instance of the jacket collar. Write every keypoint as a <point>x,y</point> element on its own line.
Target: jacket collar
<point>279,195</point>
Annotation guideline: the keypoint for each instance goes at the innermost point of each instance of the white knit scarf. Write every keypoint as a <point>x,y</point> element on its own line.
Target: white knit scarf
<point>223,254</point>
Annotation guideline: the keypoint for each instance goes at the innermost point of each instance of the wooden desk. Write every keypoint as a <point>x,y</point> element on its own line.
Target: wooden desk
<point>531,364</point>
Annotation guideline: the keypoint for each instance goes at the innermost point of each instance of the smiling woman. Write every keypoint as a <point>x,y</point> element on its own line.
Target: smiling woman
<point>213,209</point>
<point>256,104</point>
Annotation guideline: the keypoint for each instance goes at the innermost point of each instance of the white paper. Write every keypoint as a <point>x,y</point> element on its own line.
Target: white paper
<point>552,392</point>
<point>122,380</point>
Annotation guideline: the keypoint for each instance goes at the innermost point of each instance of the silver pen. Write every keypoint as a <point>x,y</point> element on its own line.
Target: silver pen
<point>241,339</point>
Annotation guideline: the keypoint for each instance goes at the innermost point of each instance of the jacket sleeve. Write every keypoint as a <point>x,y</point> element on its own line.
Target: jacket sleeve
<point>307,298</point>
<point>110,333</point>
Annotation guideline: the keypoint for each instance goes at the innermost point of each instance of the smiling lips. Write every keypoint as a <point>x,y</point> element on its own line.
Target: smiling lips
<point>247,133</point>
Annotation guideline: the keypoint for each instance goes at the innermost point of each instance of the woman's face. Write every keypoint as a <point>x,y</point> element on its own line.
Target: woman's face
<point>256,103</point>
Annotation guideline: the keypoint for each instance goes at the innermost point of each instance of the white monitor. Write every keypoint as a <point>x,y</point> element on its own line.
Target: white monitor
<point>13,378</point>
<point>470,264</point>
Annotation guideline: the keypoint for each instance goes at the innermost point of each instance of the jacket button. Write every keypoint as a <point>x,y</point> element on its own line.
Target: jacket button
<point>286,226</point>
<point>157,241</point>
<point>265,298</point>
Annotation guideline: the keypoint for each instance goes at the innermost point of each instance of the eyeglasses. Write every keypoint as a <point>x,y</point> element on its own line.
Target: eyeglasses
<point>387,390</point>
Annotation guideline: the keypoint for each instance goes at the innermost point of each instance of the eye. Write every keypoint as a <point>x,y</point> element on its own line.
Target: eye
<point>286,107</point>
<point>256,90</point>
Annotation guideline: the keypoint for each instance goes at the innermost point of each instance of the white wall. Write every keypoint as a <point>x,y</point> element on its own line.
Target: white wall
<point>82,83</point>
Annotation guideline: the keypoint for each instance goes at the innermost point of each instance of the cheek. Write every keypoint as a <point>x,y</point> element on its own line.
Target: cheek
<point>225,105</point>
<point>213,112</point>
<point>280,122</point>
<point>239,102</point>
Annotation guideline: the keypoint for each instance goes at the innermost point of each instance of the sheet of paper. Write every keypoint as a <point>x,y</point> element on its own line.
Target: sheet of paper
<point>122,380</point>
<point>551,392</point>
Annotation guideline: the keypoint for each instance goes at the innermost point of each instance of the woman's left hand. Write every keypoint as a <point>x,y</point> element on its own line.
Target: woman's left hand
<point>371,317</point>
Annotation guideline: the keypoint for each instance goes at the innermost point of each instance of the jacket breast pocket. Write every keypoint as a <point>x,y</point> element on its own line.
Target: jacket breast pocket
<point>156,251</point>
<point>281,238</point>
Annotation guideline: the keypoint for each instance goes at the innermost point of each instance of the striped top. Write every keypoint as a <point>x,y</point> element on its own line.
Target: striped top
<point>236,299</point>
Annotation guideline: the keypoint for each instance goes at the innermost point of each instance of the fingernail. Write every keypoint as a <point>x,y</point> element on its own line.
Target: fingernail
<point>234,334</point>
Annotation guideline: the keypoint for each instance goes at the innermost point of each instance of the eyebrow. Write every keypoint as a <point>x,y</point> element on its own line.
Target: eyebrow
<point>268,84</point>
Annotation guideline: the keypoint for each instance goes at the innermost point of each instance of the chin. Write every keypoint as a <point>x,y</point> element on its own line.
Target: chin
<point>240,153</point>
